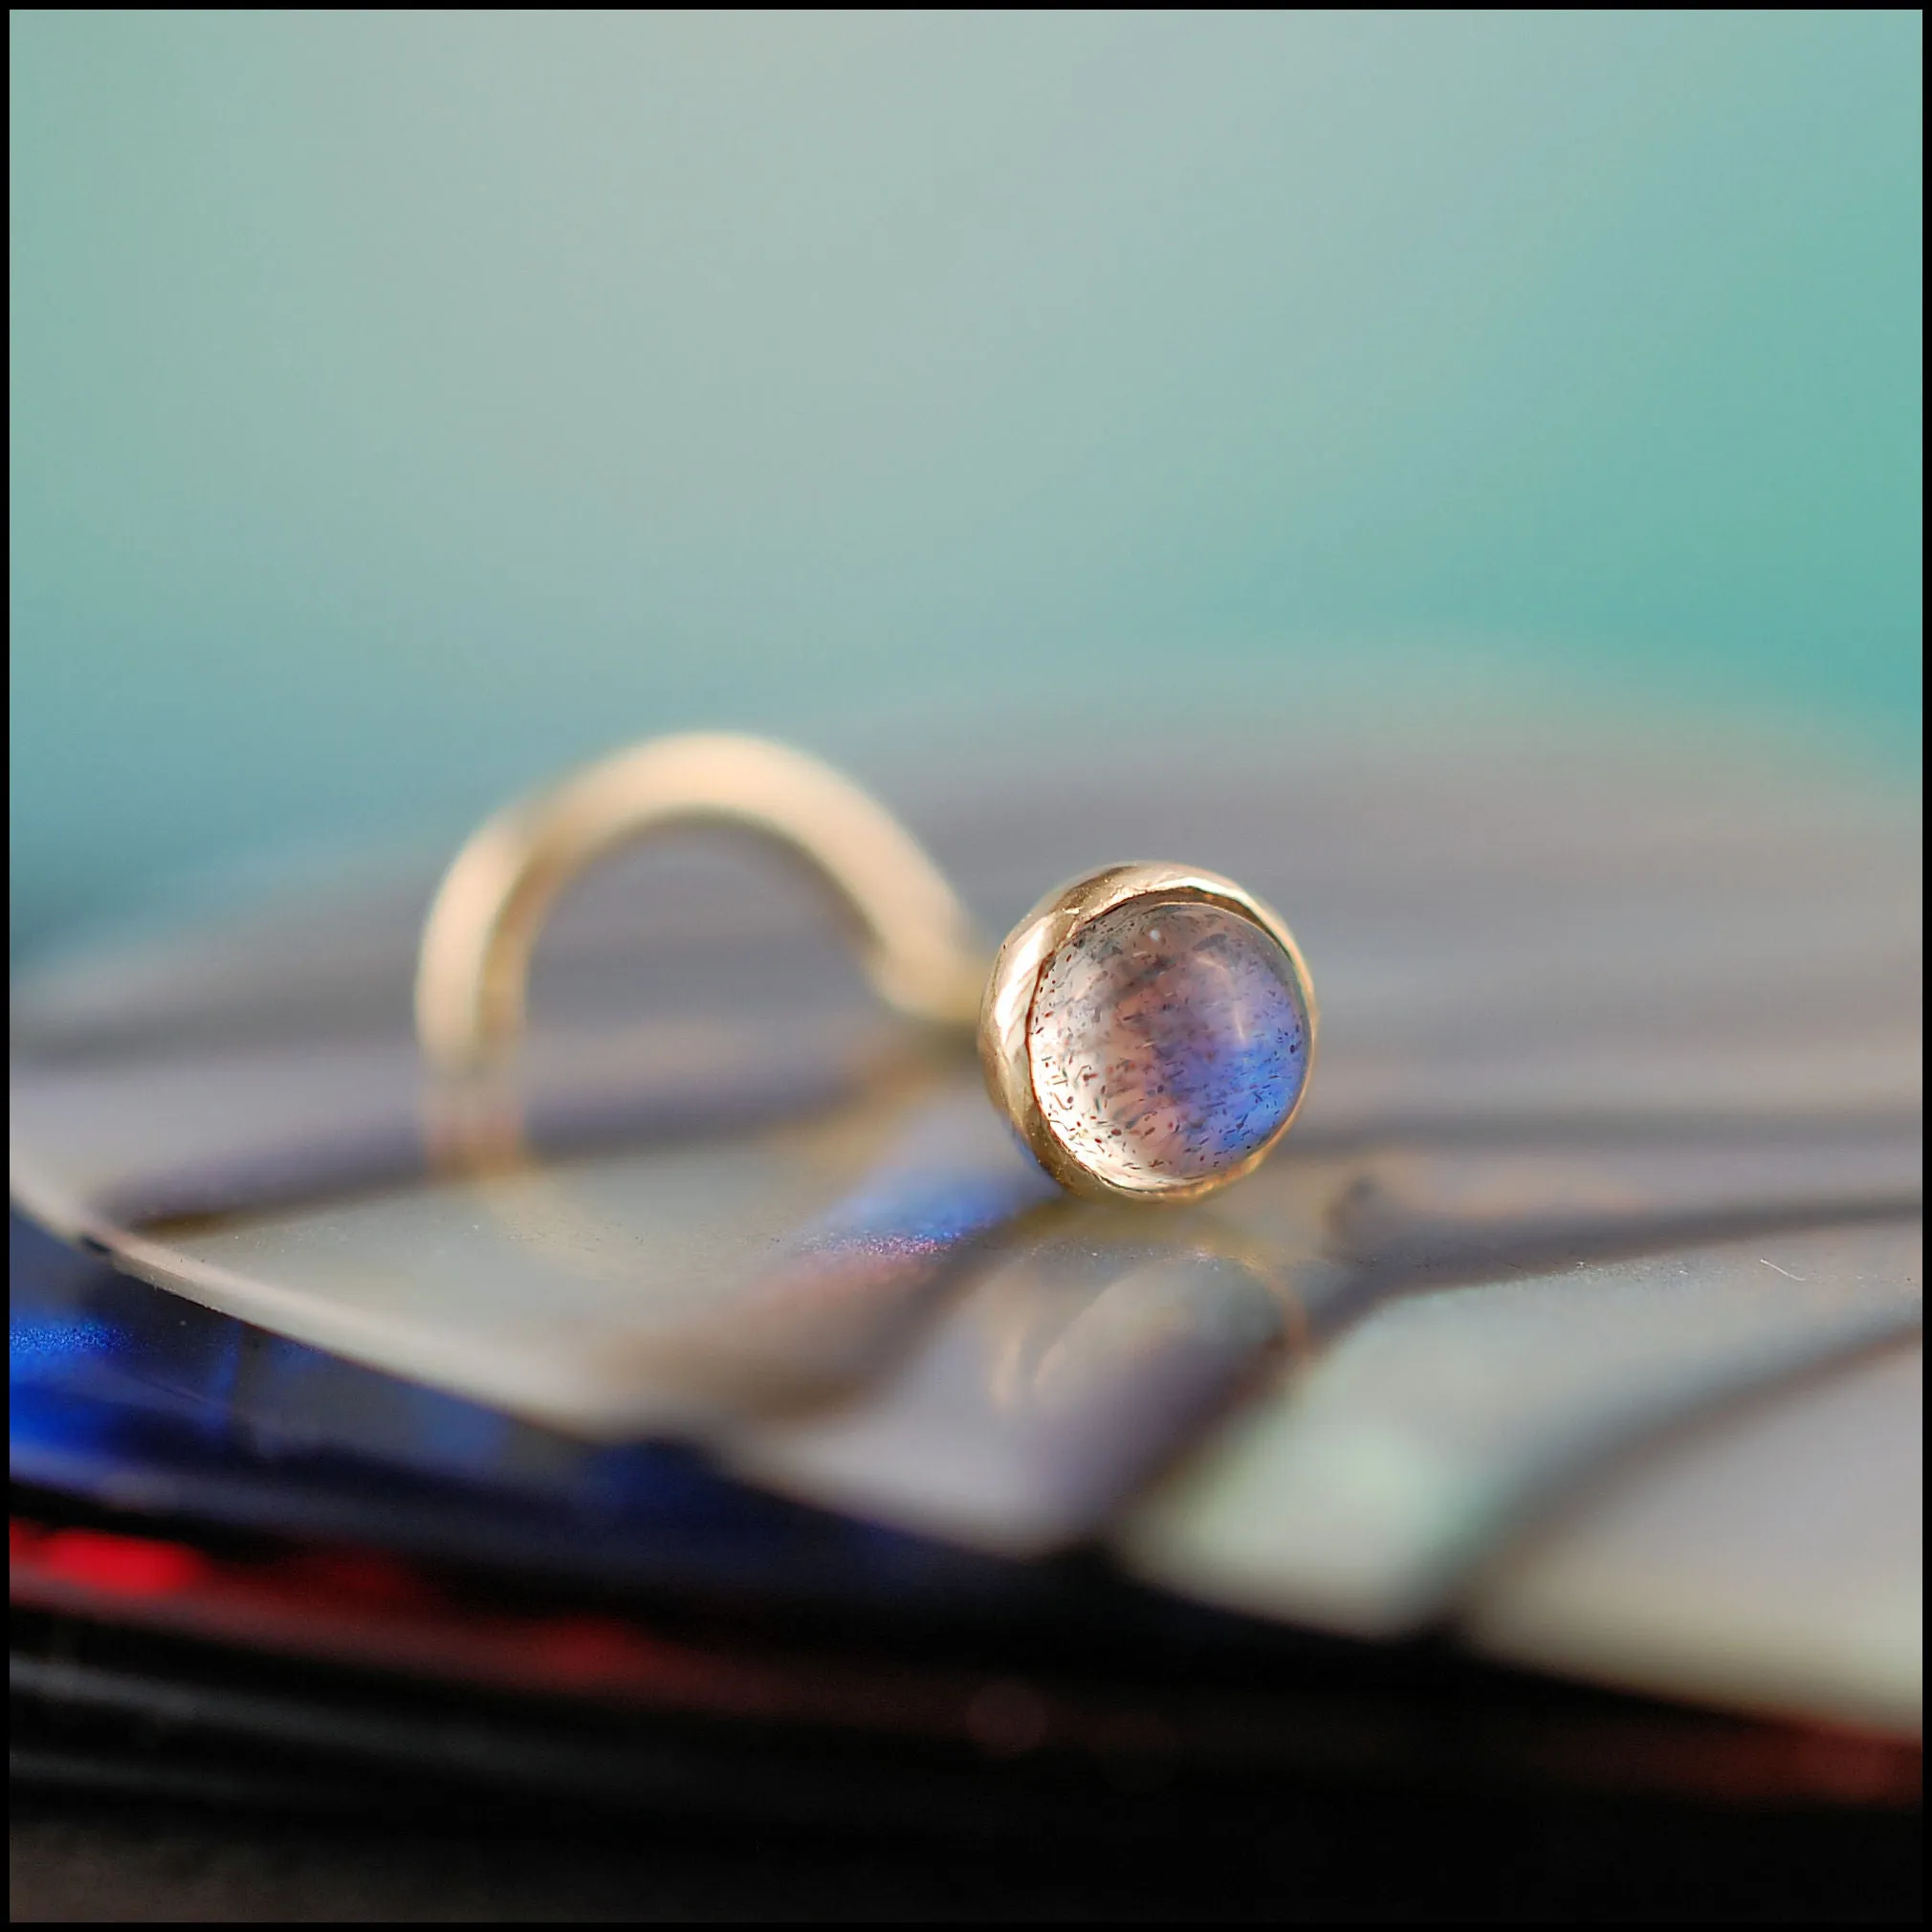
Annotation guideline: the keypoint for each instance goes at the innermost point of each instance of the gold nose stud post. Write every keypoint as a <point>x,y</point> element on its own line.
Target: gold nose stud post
<point>912,934</point>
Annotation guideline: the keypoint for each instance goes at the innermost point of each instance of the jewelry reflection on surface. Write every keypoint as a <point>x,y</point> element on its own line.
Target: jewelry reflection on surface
<point>1150,1030</point>
<point>1075,1357</point>
<point>1079,1315</point>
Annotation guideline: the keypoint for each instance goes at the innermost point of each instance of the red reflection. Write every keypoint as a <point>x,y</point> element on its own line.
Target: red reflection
<point>127,1565</point>
<point>368,1609</point>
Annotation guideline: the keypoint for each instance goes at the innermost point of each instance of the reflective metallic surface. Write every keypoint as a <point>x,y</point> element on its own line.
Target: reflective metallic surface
<point>1617,1135</point>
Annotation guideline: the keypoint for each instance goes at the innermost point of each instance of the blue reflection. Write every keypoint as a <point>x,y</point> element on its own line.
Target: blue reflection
<point>956,1174</point>
<point>126,1396</point>
<point>41,1349</point>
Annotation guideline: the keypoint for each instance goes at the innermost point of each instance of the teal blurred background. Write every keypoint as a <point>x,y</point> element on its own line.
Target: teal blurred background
<point>404,404</point>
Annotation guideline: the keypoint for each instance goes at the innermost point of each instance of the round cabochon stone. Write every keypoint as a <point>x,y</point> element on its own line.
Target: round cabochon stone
<point>1167,1041</point>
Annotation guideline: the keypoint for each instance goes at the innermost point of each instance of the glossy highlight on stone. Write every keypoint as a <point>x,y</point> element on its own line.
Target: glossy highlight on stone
<point>1167,1042</point>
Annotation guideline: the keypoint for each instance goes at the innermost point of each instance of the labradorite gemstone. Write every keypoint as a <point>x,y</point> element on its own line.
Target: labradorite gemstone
<point>1167,1042</point>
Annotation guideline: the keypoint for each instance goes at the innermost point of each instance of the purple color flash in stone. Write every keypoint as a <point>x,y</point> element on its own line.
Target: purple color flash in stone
<point>1167,1042</point>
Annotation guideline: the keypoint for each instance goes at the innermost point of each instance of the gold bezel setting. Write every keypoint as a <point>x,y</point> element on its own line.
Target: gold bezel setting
<point>1056,922</point>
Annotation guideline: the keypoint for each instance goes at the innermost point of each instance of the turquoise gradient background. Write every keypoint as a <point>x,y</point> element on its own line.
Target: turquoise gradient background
<point>404,404</point>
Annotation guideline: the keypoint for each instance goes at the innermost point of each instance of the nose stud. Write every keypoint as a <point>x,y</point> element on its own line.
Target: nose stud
<point>1149,1029</point>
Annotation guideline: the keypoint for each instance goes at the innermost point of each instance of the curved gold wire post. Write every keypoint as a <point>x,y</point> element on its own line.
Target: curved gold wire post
<point>915,937</point>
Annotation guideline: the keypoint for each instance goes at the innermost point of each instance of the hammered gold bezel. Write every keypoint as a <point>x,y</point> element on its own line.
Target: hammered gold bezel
<point>1006,1012</point>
